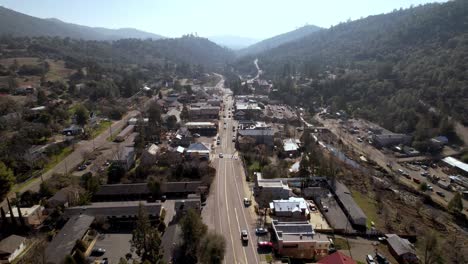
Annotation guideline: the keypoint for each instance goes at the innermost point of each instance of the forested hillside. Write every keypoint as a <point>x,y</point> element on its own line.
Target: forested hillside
<point>279,40</point>
<point>186,50</point>
<point>20,25</point>
<point>388,68</point>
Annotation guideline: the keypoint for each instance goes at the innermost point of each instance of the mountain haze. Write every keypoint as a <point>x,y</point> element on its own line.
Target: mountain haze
<point>18,24</point>
<point>233,42</point>
<point>279,40</point>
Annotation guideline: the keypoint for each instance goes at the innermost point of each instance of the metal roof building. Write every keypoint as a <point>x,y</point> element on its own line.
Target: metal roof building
<point>349,206</point>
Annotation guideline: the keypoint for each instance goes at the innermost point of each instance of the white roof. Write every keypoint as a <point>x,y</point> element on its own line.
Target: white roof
<point>295,167</point>
<point>180,149</point>
<point>25,211</point>
<point>290,145</point>
<point>456,163</point>
<point>153,149</point>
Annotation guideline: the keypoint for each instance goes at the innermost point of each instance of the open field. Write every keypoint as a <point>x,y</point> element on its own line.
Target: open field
<point>58,71</point>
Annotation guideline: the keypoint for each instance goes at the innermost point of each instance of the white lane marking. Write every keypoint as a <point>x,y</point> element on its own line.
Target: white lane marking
<point>238,225</point>
<point>218,201</point>
<point>227,212</point>
<point>243,214</point>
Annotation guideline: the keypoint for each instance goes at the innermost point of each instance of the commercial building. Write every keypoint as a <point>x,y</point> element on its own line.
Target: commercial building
<point>198,149</point>
<point>259,136</point>
<point>63,243</point>
<point>203,111</point>
<point>270,189</point>
<point>457,164</point>
<point>295,208</point>
<point>202,128</point>
<point>11,247</point>
<point>298,240</point>
<point>391,139</point>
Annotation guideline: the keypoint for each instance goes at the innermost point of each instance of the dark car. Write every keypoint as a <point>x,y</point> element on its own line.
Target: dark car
<point>98,252</point>
<point>441,194</point>
<point>261,231</point>
<point>82,167</point>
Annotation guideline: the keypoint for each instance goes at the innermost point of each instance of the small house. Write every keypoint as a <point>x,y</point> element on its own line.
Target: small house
<point>11,247</point>
<point>402,249</point>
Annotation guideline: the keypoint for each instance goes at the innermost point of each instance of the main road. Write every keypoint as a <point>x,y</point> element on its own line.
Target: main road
<point>225,212</point>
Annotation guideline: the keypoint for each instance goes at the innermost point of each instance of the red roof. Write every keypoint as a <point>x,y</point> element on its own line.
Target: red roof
<point>337,258</point>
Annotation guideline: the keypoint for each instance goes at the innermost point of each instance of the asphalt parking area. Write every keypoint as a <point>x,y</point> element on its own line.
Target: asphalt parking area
<point>116,246</point>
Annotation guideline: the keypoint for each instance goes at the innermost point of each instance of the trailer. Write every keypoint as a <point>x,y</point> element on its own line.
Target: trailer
<point>124,133</point>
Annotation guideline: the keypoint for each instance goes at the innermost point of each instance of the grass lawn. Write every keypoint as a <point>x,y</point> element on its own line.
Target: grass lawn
<point>54,160</point>
<point>103,125</point>
<point>341,243</point>
<point>368,206</point>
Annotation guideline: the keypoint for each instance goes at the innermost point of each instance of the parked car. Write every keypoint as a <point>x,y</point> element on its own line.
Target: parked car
<point>370,259</point>
<point>82,167</point>
<point>261,231</point>
<point>265,244</point>
<point>381,259</point>
<point>221,155</point>
<point>98,252</point>
<point>441,194</point>
<point>196,135</point>
<point>247,201</point>
<point>416,180</point>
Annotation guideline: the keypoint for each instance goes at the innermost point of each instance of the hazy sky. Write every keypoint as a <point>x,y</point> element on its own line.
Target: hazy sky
<point>172,18</point>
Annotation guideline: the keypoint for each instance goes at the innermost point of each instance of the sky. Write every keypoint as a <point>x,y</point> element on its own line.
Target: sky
<point>257,19</point>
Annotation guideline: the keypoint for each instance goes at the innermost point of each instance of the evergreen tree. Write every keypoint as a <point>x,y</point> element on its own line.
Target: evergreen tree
<point>212,249</point>
<point>193,229</point>
<point>456,204</point>
<point>7,179</point>
<point>12,215</point>
<point>146,240</point>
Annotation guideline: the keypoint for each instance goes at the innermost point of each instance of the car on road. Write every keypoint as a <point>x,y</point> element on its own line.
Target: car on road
<point>416,180</point>
<point>196,135</point>
<point>244,235</point>
<point>247,201</point>
<point>221,155</point>
<point>265,244</point>
<point>261,231</point>
<point>98,252</point>
<point>441,194</point>
<point>424,174</point>
<point>82,167</point>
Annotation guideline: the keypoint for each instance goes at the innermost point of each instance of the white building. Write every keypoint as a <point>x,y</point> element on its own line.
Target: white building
<point>33,216</point>
<point>11,247</point>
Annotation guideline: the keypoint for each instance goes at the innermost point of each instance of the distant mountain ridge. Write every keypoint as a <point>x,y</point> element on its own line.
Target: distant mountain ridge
<point>19,24</point>
<point>233,42</point>
<point>279,40</point>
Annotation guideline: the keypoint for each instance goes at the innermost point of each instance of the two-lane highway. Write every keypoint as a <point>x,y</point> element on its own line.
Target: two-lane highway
<point>225,211</point>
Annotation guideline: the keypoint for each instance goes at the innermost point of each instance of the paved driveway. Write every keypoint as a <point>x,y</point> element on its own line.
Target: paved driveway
<point>116,246</point>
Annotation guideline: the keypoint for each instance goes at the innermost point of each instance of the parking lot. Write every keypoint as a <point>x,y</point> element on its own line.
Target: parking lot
<point>116,246</point>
